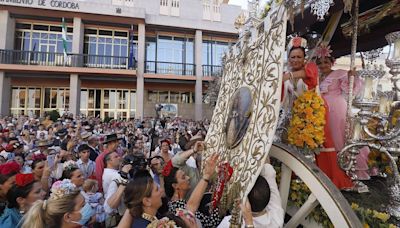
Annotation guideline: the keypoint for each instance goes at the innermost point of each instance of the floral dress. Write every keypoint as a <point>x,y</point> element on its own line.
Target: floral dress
<point>212,220</point>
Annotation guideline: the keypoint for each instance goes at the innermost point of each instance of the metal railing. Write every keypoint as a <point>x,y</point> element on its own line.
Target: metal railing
<point>169,68</point>
<point>71,60</point>
<point>212,70</point>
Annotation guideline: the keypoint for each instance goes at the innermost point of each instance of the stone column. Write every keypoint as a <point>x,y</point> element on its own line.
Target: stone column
<point>7,30</point>
<point>77,42</point>
<point>74,94</point>
<point>5,94</point>
<point>199,76</point>
<point>140,71</point>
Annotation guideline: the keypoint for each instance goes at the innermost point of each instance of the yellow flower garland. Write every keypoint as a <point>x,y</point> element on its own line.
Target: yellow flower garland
<point>306,127</point>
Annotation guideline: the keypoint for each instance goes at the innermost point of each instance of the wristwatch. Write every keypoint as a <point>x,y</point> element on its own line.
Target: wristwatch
<point>121,181</point>
<point>124,175</point>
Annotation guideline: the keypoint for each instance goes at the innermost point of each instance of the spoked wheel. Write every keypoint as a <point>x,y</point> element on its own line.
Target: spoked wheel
<point>323,191</point>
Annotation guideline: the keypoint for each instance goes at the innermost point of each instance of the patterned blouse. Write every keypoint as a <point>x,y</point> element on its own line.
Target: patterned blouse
<point>212,220</point>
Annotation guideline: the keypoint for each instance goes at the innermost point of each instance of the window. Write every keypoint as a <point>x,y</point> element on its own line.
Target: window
<point>111,103</point>
<point>108,48</point>
<point>175,97</point>
<point>56,98</point>
<point>169,7</point>
<point>41,38</point>
<point>151,45</point>
<point>152,96</point>
<point>213,52</point>
<point>170,97</point>
<point>170,55</point>
<point>34,101</point>
<point>164,97</point>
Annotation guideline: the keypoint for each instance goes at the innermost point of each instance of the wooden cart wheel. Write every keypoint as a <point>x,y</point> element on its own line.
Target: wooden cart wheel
<point>323,191</point>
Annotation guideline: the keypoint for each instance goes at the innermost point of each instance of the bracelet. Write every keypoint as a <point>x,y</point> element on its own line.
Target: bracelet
<point>206,180</point>
<point>124,175</point>
<point>249,226</point>
<point>122,182</point>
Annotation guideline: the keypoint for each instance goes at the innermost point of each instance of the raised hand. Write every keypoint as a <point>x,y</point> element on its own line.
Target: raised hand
<point>210,166</point>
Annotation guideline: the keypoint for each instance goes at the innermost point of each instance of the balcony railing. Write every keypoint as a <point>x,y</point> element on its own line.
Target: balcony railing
<point>212,70</point>
<point>71,60</point>
<point>156,67</point>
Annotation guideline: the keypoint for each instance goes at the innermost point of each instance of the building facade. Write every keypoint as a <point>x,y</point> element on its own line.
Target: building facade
<point>112,58</point>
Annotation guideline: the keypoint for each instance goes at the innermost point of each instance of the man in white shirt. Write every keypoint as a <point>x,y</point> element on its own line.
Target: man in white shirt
<point>265,202</point>
<point>114,183</point>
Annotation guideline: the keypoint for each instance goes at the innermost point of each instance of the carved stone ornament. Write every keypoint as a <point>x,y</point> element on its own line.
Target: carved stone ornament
<point>246,114</point>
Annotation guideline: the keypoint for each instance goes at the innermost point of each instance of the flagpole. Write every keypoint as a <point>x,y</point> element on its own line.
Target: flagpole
<point>64,40</point>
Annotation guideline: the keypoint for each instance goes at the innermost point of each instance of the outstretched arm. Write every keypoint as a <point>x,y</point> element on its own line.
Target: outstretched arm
<point>197,194</point>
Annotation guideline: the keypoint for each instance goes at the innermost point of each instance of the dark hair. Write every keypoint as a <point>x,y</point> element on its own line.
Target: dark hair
<point>35,162</point>
<point>106,158</point>
<point>17,191</point>
<point>4,178</point>
<point>67,172</point>
<point>168,181</point>
<point>157,156</point>
<point>301,48</point>
<point>318,60</point>
<point>83,147</point>
<point>259,195</point>
<point>137,189</point>
<point>178,220</point>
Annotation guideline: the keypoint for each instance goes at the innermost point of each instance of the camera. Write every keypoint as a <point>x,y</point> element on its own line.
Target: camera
<point>138,162</point>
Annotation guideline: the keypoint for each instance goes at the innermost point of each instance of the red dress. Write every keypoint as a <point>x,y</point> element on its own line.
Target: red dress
<point>327,158</point>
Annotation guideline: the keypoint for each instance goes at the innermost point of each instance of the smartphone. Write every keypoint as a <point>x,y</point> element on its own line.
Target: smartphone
<point>10,156</point>
<point>50,160</point>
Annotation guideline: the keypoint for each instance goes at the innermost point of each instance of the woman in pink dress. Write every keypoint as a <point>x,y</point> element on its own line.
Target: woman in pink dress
<point>303,76</point>
<point>334,84</point>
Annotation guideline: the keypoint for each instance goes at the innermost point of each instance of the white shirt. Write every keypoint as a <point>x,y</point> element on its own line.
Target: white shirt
<point>274,217</point>
<point>110,187</point>
<point>108,176</point>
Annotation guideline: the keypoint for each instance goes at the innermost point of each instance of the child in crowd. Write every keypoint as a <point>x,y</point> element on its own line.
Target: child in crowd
<point>94,198</point>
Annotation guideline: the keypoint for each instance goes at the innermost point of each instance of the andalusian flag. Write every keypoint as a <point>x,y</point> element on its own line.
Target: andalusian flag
<point>64,39</point>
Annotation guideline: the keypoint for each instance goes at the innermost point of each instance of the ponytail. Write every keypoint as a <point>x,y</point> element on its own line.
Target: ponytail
<point>50,213</point>
<point>35,216</point>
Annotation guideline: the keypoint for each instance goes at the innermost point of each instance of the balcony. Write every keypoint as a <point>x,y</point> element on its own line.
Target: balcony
<point>157,67</point>
<point>212,70</point>
<point>71,60</point>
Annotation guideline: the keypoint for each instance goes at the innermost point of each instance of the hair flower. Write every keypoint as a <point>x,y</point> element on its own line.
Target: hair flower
<point>39,156</point>
<point>62,188</point>
<point>69,165</point>
<point>10,167</point>
<point>21,180</point>
<point>167,169</point>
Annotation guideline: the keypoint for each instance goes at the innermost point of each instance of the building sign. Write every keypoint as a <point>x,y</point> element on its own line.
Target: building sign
<point>99,7</point>
<point>49,3</point>
<point>169,110</point>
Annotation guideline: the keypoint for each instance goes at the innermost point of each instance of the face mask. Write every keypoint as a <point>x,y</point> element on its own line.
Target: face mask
<point>86,213</point>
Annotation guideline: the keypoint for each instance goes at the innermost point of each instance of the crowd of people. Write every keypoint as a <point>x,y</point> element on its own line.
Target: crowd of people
<point>84,172</point>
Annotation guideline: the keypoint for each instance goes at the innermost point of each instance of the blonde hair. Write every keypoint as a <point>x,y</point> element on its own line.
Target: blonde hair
<point>71,145</point>
<point>89,184</point>
<point>49,213</point>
